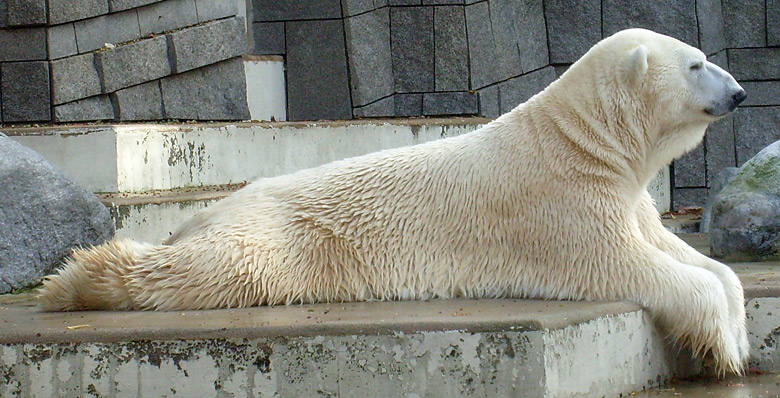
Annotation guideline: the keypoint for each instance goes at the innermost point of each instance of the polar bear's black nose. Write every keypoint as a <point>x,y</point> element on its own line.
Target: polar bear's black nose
<point>739,97</point>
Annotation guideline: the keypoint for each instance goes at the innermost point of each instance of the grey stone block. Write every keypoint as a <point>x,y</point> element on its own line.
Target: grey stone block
<point>23,44</point>
<point>670,17</point>
<point>290,10</point>
<point>134,63</point>
<point>317,82</point>
<point>442,2</point>
<point>209,10</point>
<point>94,33</point>
<point>489,102</point>
<point>121,5</point>
<point>709,16</point>
<point>268,38</point>
<point>370,60</point>
<point>412,44</point>
<point>207,44</point>
<point>502,21</point>
<point>22,12</point>
<point>720,59</point>
<point>719,144</point>
<point>167,15</point>
<point>451,51</point>
<point>408,105</point>
<point>773,22</point>
<point>382,108</point>
<point>451,103</point>
<point>573,26</point>
<point>762,93</point>
<point>214,92</point>
<point>689,170</point>
<point>482,48</point>
<point>689,197</point>
<point>404,2</point>
<point>61,41</point>
<point>745,23</point>
<point>721,179</point>
<point>141,102</point>
<point>25,91</point>
<point>754,129</point>
<point>74,78</point>
<point>87,109</point>
<point>61,11</point>
<point>521,35</point>
<point>44,215</point>
<point>355,7</point>
<point>518,90</point>
<point>755,63</point>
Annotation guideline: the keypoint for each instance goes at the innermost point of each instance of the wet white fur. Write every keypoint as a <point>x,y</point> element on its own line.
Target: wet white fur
<point>548,201</point>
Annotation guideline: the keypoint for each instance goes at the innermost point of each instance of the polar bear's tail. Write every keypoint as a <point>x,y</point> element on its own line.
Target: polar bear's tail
<point>93,279</point>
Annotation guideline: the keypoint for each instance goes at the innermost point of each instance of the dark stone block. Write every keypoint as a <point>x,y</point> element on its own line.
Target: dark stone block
<point>209,10</point>
<point>93,34</point>
<point>489,102</point>
<point>482,48</point>
<point>689,197</point>
<point>755,63</point>
<point>561,69</point>
<point>451,51</point>
<point>134,63</point>
<point>355,7</point>
<point>120,5</point>
<point>709,16</point>
<point>719,144</point>
<point>521,25</point>
<point>370,59</point>
<point>762,93</point>
<point>22,12</point>
<point>61,11</point>
<point>317,83</point>
<point>74,78</point>
<point>773,22</point>
<point>689,170</point>
<point>382,108</point>
<point>207,44</point>
<point>720,59</point>
<point>292,10</point>
<point>518,90</point>
<point>412,45</point>
<point>442,2</point>
<point>214,92</point>
<point>141,102</point>
<point>754,129</point>
<point>745,23</point>
<point>452,103</point>
<point>670,17</point>
<point>573,26</point>
<point>43,217</point>
<point>268,38</point>
<point>167,15</point>
<point>502,20</point>
<point>87,109</point>
<point>408,105</point>
<point>721,179</point>
<point>24,44</point>
<point>25,91</point>
<point>61,41</point>
<point>404,2</point>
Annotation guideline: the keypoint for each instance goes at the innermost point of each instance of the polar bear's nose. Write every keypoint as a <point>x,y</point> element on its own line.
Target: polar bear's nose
<point>739,97</point>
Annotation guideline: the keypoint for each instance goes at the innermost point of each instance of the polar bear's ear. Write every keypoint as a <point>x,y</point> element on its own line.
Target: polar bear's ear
<point>634,66</point>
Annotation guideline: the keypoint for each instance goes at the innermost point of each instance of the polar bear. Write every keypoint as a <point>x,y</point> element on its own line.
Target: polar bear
<point>547,201</point>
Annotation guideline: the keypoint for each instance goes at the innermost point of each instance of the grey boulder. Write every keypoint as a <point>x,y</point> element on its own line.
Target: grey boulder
<point>745,222</point>
<point>43,215</point>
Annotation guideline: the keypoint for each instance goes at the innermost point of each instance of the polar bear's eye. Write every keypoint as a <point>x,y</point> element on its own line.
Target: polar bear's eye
<point>697,66</point>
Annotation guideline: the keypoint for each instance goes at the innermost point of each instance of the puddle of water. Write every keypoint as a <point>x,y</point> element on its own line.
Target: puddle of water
<point>751,386</point>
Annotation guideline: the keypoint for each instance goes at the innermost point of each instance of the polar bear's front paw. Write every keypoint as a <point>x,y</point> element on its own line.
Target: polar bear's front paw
<point>730,355</point>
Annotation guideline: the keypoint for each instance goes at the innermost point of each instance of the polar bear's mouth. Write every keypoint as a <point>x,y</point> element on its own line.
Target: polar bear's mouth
<point>725,107</point>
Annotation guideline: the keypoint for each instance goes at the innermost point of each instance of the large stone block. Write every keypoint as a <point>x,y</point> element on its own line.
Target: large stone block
<point>24,44</point>
<point>382,108</point>
<point>94,33</point>
<point>87,109</point>
<point>268,38</point>
<point>134,63</point>
<point>762,93</point>
<point>61,11</point>
<point>74,78</point>
<point>719,145</point>
<point>167,15</point>
<point>709,17</point>
<point>25,91</point>
<point>754,129</point>
<point>689,170</point>
<point>317,82</point>
<point>43,217</point>
<point>689,197</point>
<point>451,103</point>
<point>745,23</point>
<point>22,12</point>
<point>121,5</point>
<point>482,48</point>
<point>675,18</point>
<point>214,92</point>
<point>209,10</point>
<point>141,102</point>
<point>408,105</point>
<point>518,90</point>
<point>355,7</point>
<point>370,59</point>
<point>574,27</point>
<point>502,20</point>
<point>519,28</point>
<point>755,63</point>
<point>412,44</point>
<point>207,44</point>
<point>451,52</point>
<point>489,103</point>
<point>288,10</point>
<point>773,22</point>
<point>61,41</point>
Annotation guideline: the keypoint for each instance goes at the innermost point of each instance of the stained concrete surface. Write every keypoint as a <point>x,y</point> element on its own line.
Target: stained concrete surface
<point>750,386</point>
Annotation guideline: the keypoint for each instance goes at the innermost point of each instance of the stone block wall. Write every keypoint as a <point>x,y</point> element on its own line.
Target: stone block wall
<point>404,58</point>
<point>84,60</point>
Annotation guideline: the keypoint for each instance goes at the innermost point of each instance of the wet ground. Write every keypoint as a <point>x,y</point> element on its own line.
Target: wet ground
<point>750,386</point>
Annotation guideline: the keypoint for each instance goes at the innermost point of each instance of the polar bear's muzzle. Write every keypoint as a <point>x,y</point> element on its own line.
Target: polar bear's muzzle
<point>719,86</point>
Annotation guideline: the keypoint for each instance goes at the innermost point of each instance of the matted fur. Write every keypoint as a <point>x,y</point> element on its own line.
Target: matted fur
<point>548,201</point>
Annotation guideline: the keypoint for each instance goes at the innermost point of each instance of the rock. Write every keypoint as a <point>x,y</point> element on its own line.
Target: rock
<point>43,216</point>
<point>745,222</point>
<point>718,183</point>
